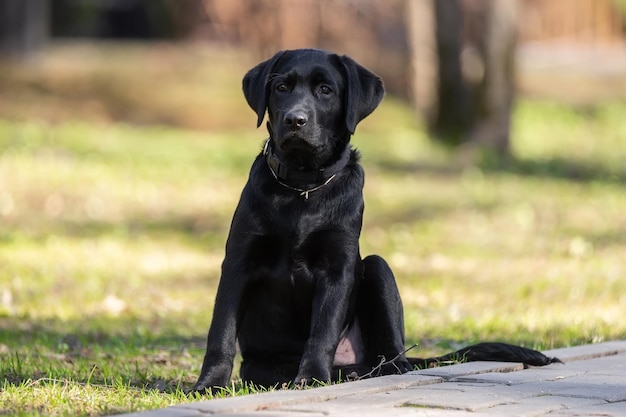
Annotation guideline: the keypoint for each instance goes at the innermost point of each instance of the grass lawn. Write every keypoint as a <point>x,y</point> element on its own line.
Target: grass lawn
<point>112,235</point>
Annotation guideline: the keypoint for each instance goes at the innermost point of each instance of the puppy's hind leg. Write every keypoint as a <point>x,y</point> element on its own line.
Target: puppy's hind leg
<point>381,316</point>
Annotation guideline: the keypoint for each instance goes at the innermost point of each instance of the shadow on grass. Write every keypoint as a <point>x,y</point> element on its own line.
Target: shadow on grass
<point>426,211</point>
<point>194,228</point>
<point>558,169</point>
<point>101,351</point>
<point>554,168</point>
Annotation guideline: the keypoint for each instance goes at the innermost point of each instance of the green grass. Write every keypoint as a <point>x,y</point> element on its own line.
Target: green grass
<point>112,235</point>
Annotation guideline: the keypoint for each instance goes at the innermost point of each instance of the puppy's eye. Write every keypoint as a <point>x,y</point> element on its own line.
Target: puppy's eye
<point>324,89</point>
<point>281,87</point>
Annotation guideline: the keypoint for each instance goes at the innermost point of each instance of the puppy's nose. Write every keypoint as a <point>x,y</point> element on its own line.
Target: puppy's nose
<point>296,119</point>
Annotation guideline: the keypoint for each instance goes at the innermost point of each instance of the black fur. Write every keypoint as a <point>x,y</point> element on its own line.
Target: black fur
<point>488,351</point>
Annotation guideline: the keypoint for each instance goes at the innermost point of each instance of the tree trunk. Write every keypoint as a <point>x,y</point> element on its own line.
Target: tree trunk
<point>454,109</point>
<point>472,69</point>
<point>496,92</point>
<point>424,60</point>
<point>24,26</point>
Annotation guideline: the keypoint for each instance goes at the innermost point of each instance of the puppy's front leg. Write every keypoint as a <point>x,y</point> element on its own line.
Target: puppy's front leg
<point>330,307</point>
<point>217,366</point>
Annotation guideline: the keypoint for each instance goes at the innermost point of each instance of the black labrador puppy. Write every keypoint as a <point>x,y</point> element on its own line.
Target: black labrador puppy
<point>294,289</point>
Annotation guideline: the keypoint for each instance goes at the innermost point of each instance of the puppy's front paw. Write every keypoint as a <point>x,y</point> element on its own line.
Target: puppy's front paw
<point>300,383</point>
<point>309,379</point>
<point>211,380</point>
<point>203,389</point>
<point>403,366</point>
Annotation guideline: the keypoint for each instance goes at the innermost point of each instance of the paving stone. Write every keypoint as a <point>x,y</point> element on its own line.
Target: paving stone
<point>549,373</point>
<point>382,384</point>
<point>601,381</point>
<point>352,403</point>
<point>610,393</point>
<point>614,365</point>
<point>400,411</point>
<point>521,377</point>
<point>254,402</point>
<point>364,412</point>
<point>457,396</point>
<point>479,396</point>
<point>166,412</point>
<point>566,388</point>
<point>280,398</point>
<point>588,351</point>
<point>372,400</point>
<point>275,413</point>
<point>469,368</point>
<point>413,411</point>
<point>247,403</point>
<point>617,361</point>
<point>539,406</point>
<point>379,401</point>
<point>604,410</point>
<point>607,364</point>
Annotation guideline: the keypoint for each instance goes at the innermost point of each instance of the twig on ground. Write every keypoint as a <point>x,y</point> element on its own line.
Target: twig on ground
<point>384,362</point>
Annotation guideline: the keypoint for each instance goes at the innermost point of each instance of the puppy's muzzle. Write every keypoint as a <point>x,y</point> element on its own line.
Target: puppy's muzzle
<point>295,119</point>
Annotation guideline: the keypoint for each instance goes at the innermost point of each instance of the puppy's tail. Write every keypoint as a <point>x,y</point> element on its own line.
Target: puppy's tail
<point>487,351</point>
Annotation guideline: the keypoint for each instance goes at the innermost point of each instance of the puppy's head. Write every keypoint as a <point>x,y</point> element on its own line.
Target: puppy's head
<point>314,100</point>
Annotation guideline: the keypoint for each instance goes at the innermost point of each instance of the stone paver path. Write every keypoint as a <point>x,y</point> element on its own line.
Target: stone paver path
<point>592,382</point>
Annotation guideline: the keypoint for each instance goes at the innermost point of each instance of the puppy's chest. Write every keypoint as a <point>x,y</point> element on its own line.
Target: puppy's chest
<point>287,258</point>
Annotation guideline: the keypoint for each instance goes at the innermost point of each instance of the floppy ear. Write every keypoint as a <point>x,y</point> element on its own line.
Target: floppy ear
<point>364,91</point>
<point>255,85</point>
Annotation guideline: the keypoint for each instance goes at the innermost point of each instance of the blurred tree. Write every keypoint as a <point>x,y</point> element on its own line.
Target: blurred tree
<point>24,26</point>
<point>371,31</point>
<point>123,19</point>
<point>463,56</point>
